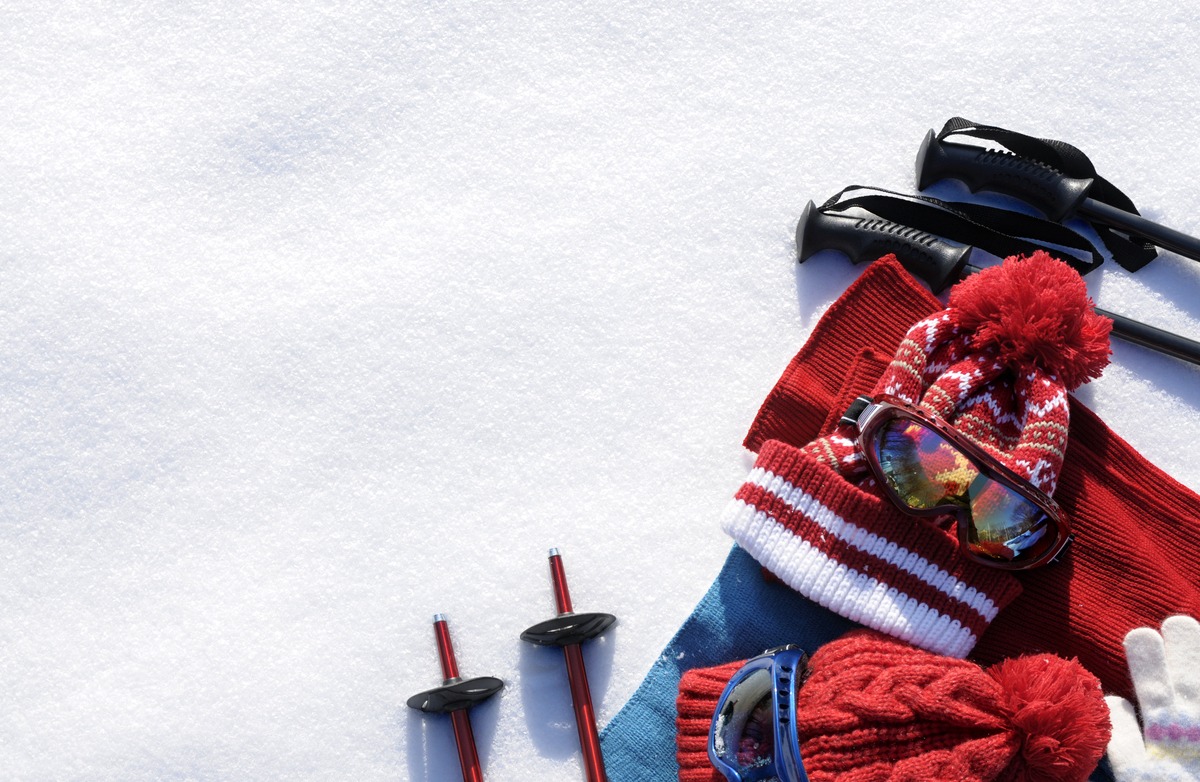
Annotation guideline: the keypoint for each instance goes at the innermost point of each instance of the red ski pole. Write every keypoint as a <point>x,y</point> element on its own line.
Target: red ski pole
<point>455,697</point>
<point>569,630</point>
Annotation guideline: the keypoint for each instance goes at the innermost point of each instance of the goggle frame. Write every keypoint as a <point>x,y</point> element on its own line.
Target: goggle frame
<point>788,667</point>
<point>869,415</point>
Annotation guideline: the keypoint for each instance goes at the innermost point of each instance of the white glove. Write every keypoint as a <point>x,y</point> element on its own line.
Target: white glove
<point>1166,677</point>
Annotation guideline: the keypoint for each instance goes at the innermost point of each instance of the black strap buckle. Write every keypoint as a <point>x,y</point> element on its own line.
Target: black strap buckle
<point>854,411</point>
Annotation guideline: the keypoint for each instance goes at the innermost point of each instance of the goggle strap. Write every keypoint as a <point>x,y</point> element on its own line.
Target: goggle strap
<point>855,411</point>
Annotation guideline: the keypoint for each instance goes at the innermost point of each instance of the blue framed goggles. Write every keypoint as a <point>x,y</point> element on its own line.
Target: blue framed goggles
<point>752,738</point>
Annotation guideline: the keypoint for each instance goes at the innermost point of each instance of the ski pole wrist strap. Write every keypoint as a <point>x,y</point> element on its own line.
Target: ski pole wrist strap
<point>1001,232</point>
<point>1131,252</point>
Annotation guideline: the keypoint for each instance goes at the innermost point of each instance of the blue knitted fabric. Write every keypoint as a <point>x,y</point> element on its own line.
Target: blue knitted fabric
<point>740,616</point>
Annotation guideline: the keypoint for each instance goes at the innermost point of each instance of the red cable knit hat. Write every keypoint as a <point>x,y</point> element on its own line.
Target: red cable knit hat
<point>875,709</point>
<point>997,364</point>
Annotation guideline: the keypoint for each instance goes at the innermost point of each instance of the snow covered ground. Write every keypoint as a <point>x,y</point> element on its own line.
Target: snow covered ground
<point>318,319</point>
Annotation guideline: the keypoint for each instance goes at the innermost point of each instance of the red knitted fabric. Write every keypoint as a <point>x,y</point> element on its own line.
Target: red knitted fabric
<point>993,364</point>
<point>699,691</point>
<point>875,709</point>
<point>1135,559</point>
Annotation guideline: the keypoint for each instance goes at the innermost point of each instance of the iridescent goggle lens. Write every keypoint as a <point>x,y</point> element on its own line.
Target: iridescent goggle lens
<point>744,732</point>
<point>927,472</point>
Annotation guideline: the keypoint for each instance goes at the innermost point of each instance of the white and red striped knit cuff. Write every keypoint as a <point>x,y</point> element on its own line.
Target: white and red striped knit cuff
<point>858,555</point>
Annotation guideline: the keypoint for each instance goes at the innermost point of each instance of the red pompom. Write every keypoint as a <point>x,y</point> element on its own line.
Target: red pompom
<point>1035,311</point>
<point>1057,709</point>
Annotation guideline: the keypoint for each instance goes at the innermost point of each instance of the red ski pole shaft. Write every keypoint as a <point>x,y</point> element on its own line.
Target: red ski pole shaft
<point>464,739</point>
<point>585,716</point>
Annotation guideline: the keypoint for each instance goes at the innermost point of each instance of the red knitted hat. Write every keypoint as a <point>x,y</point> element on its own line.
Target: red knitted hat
<point>875,709</point>
<point>997,364</point>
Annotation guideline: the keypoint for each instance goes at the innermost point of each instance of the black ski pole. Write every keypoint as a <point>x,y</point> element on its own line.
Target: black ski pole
<point>939,263</point>
<point>1055,194</point>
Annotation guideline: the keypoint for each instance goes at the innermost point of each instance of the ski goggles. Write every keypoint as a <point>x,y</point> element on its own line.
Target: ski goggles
<point>929,468</point>
<point>752,738</point>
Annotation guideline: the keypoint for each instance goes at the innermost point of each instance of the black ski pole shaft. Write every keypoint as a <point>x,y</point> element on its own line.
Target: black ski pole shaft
<point>1057,195</point>
<point>939,263</point>
<point>1159,235</point>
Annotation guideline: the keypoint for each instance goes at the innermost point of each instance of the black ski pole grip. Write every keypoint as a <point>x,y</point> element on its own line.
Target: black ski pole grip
<point>1054,193</point>
<point>867,237</point>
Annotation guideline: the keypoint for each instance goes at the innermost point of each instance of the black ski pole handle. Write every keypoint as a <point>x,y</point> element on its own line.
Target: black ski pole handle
<point>867,237</point>
<point>1055,194</point>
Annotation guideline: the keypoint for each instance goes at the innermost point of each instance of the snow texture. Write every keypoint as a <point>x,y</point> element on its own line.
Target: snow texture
<point>320,318</point>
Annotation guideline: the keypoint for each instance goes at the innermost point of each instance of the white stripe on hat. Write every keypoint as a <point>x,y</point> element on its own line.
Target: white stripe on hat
<point>842,589</point>
<point>874,544</point>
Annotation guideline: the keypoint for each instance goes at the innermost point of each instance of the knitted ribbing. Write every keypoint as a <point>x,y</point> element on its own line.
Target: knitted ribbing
<point>699,692</point>
<point>853,552</point>
<point>800,405</point>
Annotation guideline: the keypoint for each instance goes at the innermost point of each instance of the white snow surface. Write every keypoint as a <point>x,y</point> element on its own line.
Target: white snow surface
<point>320,318</point>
